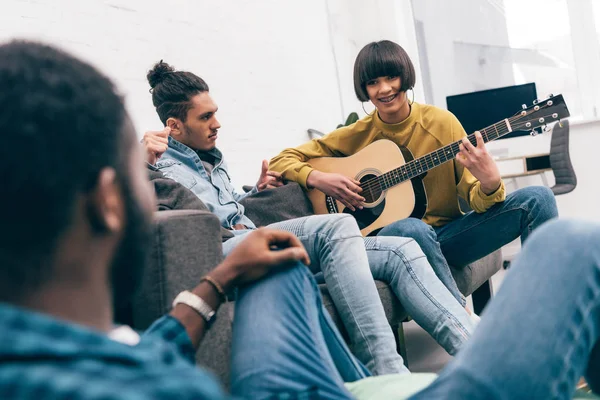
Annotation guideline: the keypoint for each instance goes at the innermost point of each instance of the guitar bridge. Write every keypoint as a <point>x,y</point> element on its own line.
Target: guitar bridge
<point>331,205</point>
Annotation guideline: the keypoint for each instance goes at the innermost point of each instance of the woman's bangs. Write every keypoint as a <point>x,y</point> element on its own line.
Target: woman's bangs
<point>380,63</point>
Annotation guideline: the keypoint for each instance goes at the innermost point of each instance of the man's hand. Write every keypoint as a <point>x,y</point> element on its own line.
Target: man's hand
<point>268,179</point>
<point>156,143</point>
<point>337,186</point>
<point>479,161</point>
<point>262,251</point>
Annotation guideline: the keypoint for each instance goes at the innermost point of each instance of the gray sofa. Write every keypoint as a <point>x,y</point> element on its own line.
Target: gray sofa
<point>187,244</point>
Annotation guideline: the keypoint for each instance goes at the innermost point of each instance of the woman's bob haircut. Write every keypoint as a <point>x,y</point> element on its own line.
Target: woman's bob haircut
<point>384,58</point>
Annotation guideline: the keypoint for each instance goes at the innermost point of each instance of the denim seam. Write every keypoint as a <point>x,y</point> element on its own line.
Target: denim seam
<point>321,310</point>
<point>454,290</point>
<point>319,304</point>
<point>328,240</point>
<point>577,331</point>
<point>443,309</point>
<point>319,301</point>
<point>334,271</point>
<point>341,343</point>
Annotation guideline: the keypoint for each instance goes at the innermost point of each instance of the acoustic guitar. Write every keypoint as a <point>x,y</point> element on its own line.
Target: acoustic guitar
<point>391,178</point>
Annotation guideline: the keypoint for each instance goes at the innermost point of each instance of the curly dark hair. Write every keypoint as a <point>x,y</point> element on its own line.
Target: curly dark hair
<point>61,122</point>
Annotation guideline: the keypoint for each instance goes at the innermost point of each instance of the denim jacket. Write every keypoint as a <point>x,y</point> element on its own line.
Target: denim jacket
<point>183,165</point>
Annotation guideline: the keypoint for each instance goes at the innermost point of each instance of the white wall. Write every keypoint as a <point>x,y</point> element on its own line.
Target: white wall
<point>448,28</point>
<point>275,68</point>
<point>583,202</point>
<point>272,66</point>
<point>355,23</point>
<point>463,42</point>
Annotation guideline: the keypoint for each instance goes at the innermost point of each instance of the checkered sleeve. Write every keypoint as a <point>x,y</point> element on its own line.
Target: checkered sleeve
<point>170,330</point>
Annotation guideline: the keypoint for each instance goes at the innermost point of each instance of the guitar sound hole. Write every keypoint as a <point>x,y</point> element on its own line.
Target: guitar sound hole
<point>371,190</point>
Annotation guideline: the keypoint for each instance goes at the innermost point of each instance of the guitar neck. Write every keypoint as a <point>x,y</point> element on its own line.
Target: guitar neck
<point>440,156</point>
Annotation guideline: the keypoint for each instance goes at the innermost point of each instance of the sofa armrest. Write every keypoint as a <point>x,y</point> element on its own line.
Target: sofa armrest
<point>186,245</point>
<point>277,204</point>
<point>472,276</point>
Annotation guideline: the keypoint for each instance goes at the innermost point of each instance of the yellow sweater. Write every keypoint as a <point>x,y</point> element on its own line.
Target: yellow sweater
<point>426,129</point>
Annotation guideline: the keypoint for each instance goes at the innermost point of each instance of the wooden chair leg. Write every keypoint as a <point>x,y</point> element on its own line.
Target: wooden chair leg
<point>401,342</point>
<point>481,296</point>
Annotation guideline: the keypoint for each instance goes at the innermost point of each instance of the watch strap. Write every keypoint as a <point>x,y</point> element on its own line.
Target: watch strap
<point>194,301</point>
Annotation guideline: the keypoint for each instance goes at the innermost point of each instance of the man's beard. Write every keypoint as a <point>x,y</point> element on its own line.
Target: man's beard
<point>130,258</point>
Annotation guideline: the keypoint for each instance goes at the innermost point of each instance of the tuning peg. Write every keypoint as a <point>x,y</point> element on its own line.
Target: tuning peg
<point>536,101</point>
<point>533,133</point>
<point>546,128</point>
<point>524,106</point>
<point>560,123</point>
<point>550,95</point>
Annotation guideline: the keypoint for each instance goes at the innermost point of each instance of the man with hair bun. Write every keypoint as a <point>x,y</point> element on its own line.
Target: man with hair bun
<point>384,75</point>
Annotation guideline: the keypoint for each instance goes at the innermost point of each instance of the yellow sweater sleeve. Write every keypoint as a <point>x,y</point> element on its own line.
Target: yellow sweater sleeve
<point>292,162</point>
<point>468,187</point>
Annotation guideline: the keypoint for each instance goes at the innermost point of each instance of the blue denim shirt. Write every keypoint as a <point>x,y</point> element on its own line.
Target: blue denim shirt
<point>183,165</point>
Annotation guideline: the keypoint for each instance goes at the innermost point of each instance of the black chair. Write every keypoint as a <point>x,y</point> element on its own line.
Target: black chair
<point>560,160</point>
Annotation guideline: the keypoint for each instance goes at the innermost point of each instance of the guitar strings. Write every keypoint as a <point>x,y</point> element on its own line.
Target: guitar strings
<point>376,183</point>
<point>411,166</point>
<point>411,169</point>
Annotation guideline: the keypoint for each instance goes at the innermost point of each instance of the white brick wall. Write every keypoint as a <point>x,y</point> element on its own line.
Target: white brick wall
<point>272,66</point>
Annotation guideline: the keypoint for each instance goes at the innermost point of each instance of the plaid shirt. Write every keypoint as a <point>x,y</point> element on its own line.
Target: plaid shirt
<point>45,358</point>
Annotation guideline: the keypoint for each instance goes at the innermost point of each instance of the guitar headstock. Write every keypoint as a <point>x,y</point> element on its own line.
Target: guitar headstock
<point>539,114</point>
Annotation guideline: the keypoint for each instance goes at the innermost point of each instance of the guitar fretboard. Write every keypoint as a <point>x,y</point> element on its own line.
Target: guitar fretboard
<point>440,156</point>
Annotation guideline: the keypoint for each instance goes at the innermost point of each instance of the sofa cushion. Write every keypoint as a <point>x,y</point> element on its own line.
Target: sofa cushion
<point>278,204</point>
<point>171,195</point>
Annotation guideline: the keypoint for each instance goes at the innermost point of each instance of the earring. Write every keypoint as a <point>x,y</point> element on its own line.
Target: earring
<point>363,107</point>
<point>413,96</point>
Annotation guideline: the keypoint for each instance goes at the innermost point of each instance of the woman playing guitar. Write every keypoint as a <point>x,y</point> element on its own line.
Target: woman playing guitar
<point>383,73</point>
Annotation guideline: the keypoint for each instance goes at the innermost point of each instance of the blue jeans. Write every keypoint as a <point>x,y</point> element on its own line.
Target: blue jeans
<point>541,331</point>
<point>337,249</point>
<point>474,235</point>
<point>284,342</point>
<point>401,263</point>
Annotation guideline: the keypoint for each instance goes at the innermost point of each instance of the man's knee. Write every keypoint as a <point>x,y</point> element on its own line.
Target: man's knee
<point>540,200</point>
<point>290,277</point>
<point>565,252</point>
<point>339,226</point>
<point>406,248</point>
<point>280,284</point>
<point>568,236</point>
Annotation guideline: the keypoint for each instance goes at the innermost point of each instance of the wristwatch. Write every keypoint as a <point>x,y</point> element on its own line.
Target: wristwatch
<point>190,299</point>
